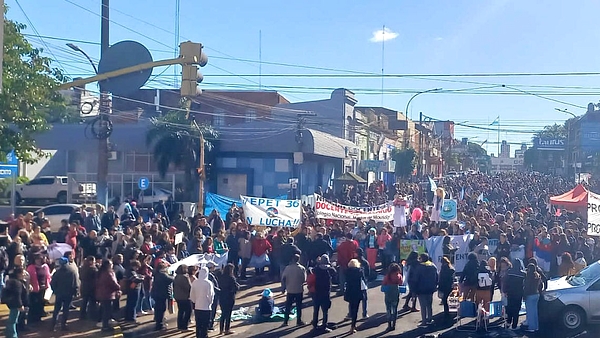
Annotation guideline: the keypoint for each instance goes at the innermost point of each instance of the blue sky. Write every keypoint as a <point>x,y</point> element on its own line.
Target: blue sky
<point>433,37</point>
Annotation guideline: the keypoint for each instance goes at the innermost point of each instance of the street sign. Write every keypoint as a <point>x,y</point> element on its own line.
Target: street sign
<point>10,167</point>
<point>144,183</point>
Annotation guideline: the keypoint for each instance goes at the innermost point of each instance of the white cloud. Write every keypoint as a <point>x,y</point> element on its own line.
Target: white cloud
<point>383,35</point>
<point>439,38</point>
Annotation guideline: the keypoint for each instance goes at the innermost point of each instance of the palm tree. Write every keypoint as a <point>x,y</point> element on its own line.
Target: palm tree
<point>175,141</point>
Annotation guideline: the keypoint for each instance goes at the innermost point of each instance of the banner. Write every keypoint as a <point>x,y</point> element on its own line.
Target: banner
<point>593,214</point>
<point>435,250</point>
<point>201,259</point>
<point>409,245</point>
<point>329,210</point>
<point>449,210</point>
<point>218,202</point>
<point>272,212</point>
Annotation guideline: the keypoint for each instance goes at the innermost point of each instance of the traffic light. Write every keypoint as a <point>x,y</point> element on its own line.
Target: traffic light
<point>192,57</point>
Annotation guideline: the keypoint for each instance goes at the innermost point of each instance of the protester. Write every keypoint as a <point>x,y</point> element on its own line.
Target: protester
<point>162,289</point>
<point>446,284</point>
<point>65,284</point>
<point>412,264</point>
<point>88,277</point>
<point>293,279</point>
<point>181,292</point>
<point>229,288</point>
<point>321,290</point>
<point>202,294</point>
<point>391,288</point>
<point>14,295</point>
<point>531,293</point>
<point>107,290</point>
<point>353,290</point>
<point>514,293</point>
<point>427,281</point>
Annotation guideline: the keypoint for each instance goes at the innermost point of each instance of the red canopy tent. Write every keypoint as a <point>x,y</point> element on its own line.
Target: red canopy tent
<point>575,199</point>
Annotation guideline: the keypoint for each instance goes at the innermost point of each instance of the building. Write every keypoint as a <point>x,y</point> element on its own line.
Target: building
<point>505,163</point>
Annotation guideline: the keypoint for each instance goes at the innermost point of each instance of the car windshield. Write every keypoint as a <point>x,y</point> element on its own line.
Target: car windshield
<point>585,276</point>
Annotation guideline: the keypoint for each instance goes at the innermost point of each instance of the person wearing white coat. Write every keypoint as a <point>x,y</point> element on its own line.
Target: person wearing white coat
<point>202,294</point>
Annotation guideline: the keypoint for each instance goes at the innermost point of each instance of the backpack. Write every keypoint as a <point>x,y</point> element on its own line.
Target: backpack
<point>3,259</point>
<point>484,279</point>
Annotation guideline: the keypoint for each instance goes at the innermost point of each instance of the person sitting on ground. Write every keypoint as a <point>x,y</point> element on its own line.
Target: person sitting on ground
<point>266,305</point>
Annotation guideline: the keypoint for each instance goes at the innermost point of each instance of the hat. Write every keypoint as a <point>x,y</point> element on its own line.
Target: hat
<point>267,293</point>
<point>62,261</point>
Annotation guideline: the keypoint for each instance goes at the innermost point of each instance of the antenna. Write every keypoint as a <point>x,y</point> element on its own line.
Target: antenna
<point>176,50</point>
<point>260,60</point>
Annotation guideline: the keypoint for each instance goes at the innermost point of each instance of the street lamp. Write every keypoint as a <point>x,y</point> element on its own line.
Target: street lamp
<point>568,145</point>
<point>77,49</point>
<point>406,143</point>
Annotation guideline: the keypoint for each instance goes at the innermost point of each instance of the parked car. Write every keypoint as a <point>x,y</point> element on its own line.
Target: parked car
<point>56,213</point>
<point>53,188</point>
<point>150,197</point>
<point>574,301</point>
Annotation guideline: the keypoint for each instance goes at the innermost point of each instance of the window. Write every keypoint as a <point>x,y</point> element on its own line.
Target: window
<point>250,115</point>
<point>42,181</point>
<point>139,162</point>
<point>219,118</point>
<point>58,210</point>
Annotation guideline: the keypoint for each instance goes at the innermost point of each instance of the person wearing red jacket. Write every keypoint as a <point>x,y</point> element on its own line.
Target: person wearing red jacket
<point>260,247</point>
<point>346,251</point>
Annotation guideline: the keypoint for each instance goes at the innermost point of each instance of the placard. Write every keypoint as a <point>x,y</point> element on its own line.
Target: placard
<point>178,238</point>
<point>593,214</point>
<point>436,251</point>
<point>409,245</point>
<point>449,210</point>
<point>271,212</point>
<point>330,210</point>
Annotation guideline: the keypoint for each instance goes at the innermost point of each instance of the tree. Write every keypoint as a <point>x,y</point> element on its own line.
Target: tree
<point>176,142</point>
<point>28,95</point>
<point>552,131</point>
<point>405,161</point>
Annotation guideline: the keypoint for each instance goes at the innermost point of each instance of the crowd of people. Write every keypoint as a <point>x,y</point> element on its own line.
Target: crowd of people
<point>125,253</point>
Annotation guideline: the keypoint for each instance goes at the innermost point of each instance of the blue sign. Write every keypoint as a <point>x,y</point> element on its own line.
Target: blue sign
<point>10,167</point>
<point>449,211</point>
<point>549,143</point>
<point>144,183</point>
<point>590,136</point>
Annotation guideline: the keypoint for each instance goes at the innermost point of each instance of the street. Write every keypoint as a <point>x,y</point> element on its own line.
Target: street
<point>374,326</point>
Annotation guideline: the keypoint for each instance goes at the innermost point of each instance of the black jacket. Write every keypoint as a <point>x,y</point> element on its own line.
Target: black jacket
<point>288,250</point>
<point>14,294</point>
<point>353,293</point>
<point>88,276</point>
<point>446,279</point>
<point>318,248</point>
<point>503,250</point>
<point>323,276</point>
<point>64,282</point>
<point>229,287</point>
<point>427,277</point>
<point>469,275</point>
<point>162,287</point>
<point>514,284</point>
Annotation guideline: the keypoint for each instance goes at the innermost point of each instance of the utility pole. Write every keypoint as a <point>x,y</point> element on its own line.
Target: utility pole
<point>421,150</point>
<point>102,179</point>
<point>202,176</point>
<point>1,43</point>
<point>299,155</point>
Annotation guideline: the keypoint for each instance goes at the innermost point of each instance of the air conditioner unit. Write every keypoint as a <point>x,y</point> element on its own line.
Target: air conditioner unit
<point>354,151</point>
<point>112,155</point>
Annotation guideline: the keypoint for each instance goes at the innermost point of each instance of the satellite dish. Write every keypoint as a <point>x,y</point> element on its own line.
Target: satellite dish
<point>122,55</point>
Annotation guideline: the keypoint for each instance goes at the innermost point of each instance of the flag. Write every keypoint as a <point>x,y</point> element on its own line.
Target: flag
<point>432,183</point>
<point>484,142</point>
<point>496,121</point>
<point>480,198</point>
<point>558,213</point>
<point>462,194</point>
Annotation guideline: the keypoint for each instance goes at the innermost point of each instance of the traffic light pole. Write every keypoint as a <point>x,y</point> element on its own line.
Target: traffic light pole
<point>102,179</point>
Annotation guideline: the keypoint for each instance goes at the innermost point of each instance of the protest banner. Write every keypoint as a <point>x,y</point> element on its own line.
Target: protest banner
<point>272,212</point>
<point>201,259</point>
<point>435,249</point>
<point>330,210</point>
<point>409,245</point>
<point>449,210</point>
<point>593,214</point>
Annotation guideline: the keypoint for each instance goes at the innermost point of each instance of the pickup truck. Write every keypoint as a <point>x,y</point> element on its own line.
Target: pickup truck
<point>55,188</point>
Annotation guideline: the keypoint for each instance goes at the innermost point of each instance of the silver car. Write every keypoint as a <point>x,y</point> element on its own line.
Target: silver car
<point>573,301</point>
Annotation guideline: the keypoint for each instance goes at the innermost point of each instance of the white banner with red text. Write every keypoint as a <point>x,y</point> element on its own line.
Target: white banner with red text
<point>329,210</point>
<point>593,214</point>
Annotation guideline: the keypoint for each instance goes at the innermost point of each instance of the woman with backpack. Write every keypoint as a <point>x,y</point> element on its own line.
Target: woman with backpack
<point>446,283</point>
<point>514,292</point>
<point>390,287</point>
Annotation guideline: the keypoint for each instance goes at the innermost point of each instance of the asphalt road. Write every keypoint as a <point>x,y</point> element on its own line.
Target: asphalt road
<point>374,326</point>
